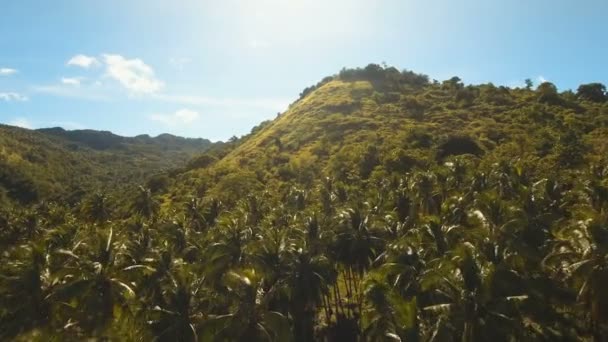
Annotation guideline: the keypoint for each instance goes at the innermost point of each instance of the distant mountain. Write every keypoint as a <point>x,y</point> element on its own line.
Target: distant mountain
<point>53,163</point>
<point>104,140</point>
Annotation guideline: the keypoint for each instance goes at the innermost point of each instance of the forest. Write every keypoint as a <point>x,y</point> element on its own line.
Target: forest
<point>381,206</point>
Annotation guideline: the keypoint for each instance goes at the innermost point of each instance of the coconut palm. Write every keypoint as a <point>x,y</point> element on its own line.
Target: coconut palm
<point>95,286</point>
<point>308,281</point>
<point>144,204</point>
<point>97,208</point>
<point>249,316</point>
<point>25,286</point>
<point>581,254</point>
<point>194,215</point>
<point>179,316</point>
<point>422,187</point>
<point>479,300</point>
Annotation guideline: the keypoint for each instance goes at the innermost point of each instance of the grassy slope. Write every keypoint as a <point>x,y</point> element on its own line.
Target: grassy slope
<point>331,128</point>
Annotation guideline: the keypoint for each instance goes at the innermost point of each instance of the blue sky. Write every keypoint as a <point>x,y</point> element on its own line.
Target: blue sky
<point>215,69</point>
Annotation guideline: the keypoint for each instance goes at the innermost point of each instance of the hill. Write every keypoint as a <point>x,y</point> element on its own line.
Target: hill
<point>367,124</point>
<point>380,206</point>
<point>57,164</point>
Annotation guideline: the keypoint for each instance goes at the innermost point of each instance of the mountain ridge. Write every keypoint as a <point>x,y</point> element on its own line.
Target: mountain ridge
<point>51,163</point>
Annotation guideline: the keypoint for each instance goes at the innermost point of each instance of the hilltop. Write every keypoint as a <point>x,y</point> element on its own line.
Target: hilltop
<point>367,124</point>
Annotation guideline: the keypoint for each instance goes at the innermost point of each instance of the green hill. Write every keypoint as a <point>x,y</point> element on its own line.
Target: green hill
<point>367,124</point>
<point>381,206</point>
<point>58,164</point>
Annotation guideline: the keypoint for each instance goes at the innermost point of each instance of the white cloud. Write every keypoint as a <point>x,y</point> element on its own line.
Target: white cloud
<point>21,122</point>
<point>83,61</point>
<point>133,74</point>
<point>181,117</point>
<point>73,81</point>
<point>8,97</point>
<point>541,79</point>
<point>7,71</point>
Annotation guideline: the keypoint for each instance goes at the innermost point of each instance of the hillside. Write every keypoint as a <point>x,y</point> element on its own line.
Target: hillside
<point>381,206</point>
<point>374,123</point>
<point>58,164</point>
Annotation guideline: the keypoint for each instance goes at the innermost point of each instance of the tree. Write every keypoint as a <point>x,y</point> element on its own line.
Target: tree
<point>477,302</point>
<point>581,253</point>
<point>24,292</point>
<point>249,316</point>
<point>369,160</point>
<point>453,83</point>
<point>529,83</point>
<point>96,286</point>
<point>308,282</point>
<point>145,205</point>
<point>97,208</point>
<point>179,318</point>
<point>595,92</point>
<point>547,93</point>
<point>570,149</point>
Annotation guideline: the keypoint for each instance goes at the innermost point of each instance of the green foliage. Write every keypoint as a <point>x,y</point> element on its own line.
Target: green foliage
<point>595,92</point>
<point>57,164</point>
<point>547,93</point>
<point>378,207</point>
<point>17,186</point>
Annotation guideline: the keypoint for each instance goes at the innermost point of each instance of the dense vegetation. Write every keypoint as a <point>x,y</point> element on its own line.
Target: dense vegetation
<point>380,206</point>
<point>55,164</point>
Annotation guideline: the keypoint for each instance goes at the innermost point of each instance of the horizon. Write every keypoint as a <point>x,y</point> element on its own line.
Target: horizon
<point>105,131</point>
<point>213,71</point>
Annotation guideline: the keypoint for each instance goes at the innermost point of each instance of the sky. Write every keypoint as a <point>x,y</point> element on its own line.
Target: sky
<point>215,69</point>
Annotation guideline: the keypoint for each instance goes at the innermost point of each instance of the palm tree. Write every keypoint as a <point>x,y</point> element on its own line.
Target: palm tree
<point>254,210</point>
<point>213,212</point>
<point>597,191</point>
<point>353,248</point>
<point>403,204</point>
<point>272,252</point>
<point>422,187</point>
<point>97,209</point>
<point>227,249</point>
<point>94,285</point>
<point>145,205</point>
<point>391,291</point>
<point>479,300</point>
<point>178,317</point>
<point>387,315</point>
<point>581,254</point>
<point>194,215</point>
<point>24,290</point>
<point>249,317</point>
<point>308,282</point>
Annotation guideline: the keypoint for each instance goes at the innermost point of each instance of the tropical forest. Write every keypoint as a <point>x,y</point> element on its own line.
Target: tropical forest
<point>380,206</point>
